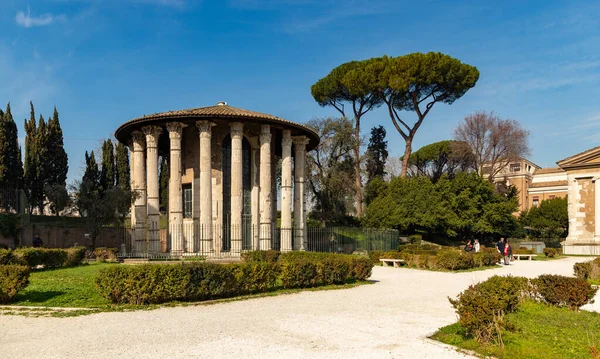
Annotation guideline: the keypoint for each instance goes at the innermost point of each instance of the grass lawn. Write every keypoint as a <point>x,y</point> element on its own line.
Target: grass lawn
<point>64,287</point>
<point>541,332</point>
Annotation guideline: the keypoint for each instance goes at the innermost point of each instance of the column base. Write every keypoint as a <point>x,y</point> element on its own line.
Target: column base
<point>592,249</point>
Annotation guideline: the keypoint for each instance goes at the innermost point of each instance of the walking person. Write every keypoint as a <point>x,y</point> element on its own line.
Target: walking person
<point>507,253</point>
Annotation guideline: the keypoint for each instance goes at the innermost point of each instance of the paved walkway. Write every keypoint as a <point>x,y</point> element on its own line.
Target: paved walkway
<point>388,319</point>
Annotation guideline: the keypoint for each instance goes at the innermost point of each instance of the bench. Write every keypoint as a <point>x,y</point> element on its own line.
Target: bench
<point>519,256</point>
<point>394,262</point>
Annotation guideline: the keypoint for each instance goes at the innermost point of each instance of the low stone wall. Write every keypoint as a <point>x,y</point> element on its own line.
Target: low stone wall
<point>582,249</point>
<point>64,237</point>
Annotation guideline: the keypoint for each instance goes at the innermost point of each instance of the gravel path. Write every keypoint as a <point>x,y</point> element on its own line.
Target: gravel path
<point>388,319</point>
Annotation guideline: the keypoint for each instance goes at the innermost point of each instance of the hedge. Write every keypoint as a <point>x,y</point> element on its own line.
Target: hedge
<point>442,259</point>
<point>261,256</point>
<point>481,307</point>
<point>103,254</point>
<point>159,283</point>
<point>13,278</point>
<point>588,270</point>
<point>46,257</point>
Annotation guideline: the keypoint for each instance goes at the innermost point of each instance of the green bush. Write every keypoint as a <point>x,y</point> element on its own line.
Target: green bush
<point>482,306</point>
<point>583,270</point>
<point>564,291</point>
<point>269,256</point>
<point>299,273</point>
<point>212,280</point>
<point>550,252</point>
<point>54,257</point>
<point>75,256</point>
<point>454,260</point>
<point>523,250</point>
<point>103,254</point>
<point>486,259</point>
<point>13,278</point>
<point>256,277</point>
<point>6,257</point>
<point>362,267</point>
<point>29,256</point>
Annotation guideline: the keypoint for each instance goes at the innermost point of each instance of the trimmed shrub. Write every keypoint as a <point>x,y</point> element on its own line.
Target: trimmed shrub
<point>362,267</point>
<point>55,257</point>
<point>523,250</point>
<point>29,256</point>
<point>75,256</point>
<point>583,270</point>
<point>256,277</point>
<point>298,273</point>
<point>454,260</point>
<point>6,257</point>
<point>486,259</point>
<point>211,280</point>
<point>564,291</point>
<point>13,278</point>
<point>550,252</point>
<point>269,256</point>
<point>103,254</point>
<point>482,306</point>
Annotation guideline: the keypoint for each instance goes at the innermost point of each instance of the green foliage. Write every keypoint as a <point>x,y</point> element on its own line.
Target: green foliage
<point>75,256</point>
<point>583,270</point>
<point>103,254</point>
<point>122,171</point>
<point>7,257</point>
<point>256,277</point>
<point>454,260</point>
<point>11,165</point>
<point>269,256</point>
<point>55,167</point>
<point>107,174</point>
<point>462,207</point>
<point>163,183</point>
<point>564,291</point>
<point>299,273</point>
<point>482,306</point>
<point>330,169</point>
<point>441,158</point>
<point>9,225</point>
<point>30,177</point>
<point>377,154</point>
<point>57,196</point>
<point>548,220</point>
<point>46,257</point>
<point>13,278</point>
<point>549,252</point>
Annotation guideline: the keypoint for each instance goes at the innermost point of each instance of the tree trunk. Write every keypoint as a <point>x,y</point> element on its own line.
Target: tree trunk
<point>407,152</point>
<point>357,171</point>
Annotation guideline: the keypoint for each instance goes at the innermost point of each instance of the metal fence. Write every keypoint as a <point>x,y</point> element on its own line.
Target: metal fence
<point>192,239</point>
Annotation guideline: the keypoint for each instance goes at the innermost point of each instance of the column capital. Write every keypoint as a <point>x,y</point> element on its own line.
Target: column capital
<point>300,141</point>
<point>138,138</point>
<point>205,127</point>
<point>175,129</point>
<point>265,134</point>
<point>237,129</point>
<point>152,133</point>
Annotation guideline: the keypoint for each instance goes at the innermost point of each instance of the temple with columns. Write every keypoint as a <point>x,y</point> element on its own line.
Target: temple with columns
<point>223,190</point>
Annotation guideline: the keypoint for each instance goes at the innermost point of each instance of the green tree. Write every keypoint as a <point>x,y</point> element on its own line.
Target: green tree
<point>351,84</point>
<point>107,175</point>
<point>56,166</point>
<point>31,161</point>
<point>96,205</point>
<point>164,184</point>
<point>43,162</point>
<point>377,153</point>
<point>415,83</point>
<point>439,158</point>
<point>11,164</point>
<point>549,220</point>
<point>122,170</point>
<point>330,170</point>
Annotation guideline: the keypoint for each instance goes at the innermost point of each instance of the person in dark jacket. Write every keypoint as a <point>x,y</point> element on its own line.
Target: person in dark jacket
<point>37,241</point>
<point>500,246</point>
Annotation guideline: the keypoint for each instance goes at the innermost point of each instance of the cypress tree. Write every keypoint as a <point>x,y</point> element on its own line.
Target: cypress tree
<point>31,163</point>
<point>14,179</point>
<point>4,167</point>
<point>107,176</point>
<point>58,159</point>
<point>92,173</point>
<point>164,184</point>
<point>43,162</point>
<point>122,170</point>
<point>377,153</point>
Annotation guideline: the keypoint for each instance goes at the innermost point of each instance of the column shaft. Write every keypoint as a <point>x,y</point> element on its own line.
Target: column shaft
<point>286,191</point>
<point>597,209</point>
<point>152,134</point>
<point>206,225</point>
<point>265,188</point>
<point>175,192</point>
<point>300,143</point>
<point>236,187</point>
<point>139,187</point>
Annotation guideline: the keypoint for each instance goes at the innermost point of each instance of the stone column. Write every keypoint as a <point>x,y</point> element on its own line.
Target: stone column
<point>206,225</point>
<point>265,188</point>
<point>300,143</point>
<point>286,191</point>
<point>139,186</point>
<point>237,136</point>
<point>152,134</point>
<point>175,192</point>
<point>131,182</point>
<point>255,195</point>
<point>596,209</point>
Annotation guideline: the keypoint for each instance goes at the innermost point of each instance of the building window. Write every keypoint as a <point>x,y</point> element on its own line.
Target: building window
<point>515,167</point>
<point>536,201</point>
<point>187,200</point>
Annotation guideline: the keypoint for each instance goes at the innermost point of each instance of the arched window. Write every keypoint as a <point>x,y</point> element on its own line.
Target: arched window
<point>246,194</point>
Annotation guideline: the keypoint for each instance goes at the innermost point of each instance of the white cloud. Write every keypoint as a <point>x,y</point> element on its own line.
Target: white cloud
<point>28,21</point>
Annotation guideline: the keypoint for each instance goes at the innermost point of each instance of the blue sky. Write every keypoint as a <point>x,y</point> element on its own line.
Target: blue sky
<point>103,62</point>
